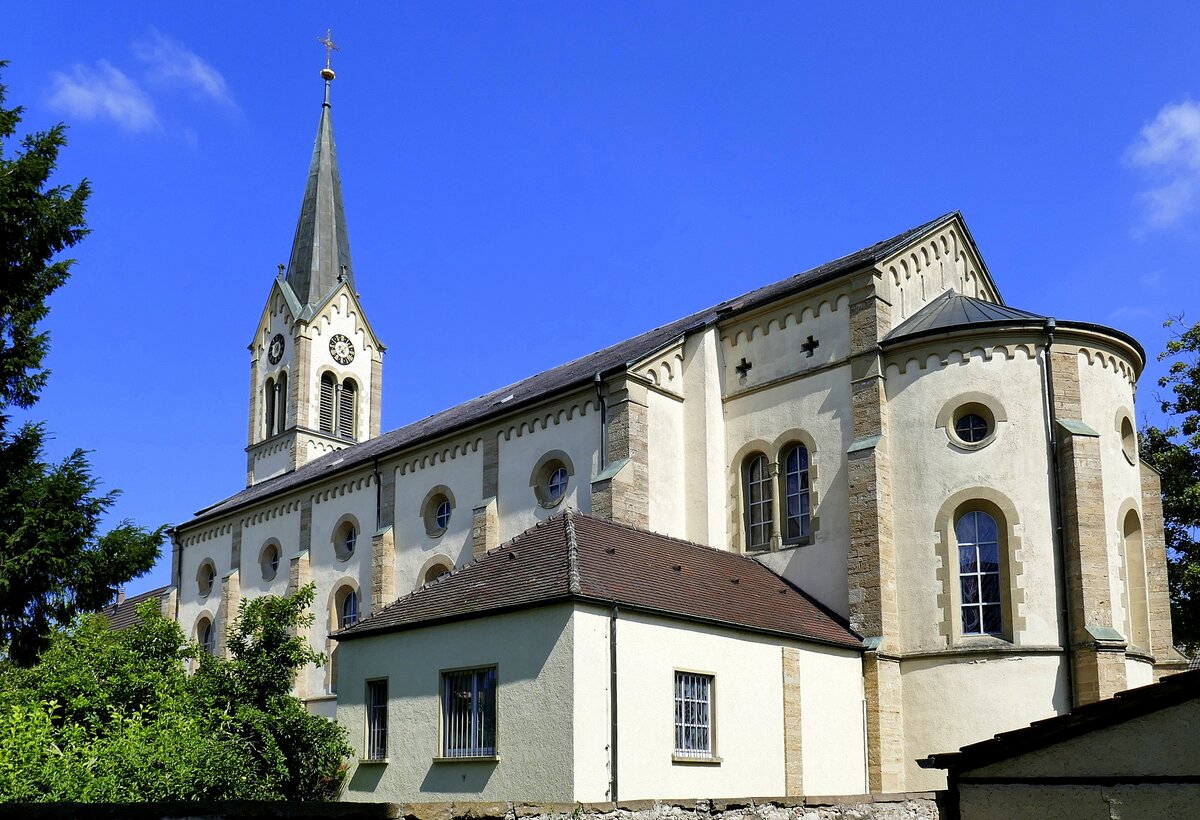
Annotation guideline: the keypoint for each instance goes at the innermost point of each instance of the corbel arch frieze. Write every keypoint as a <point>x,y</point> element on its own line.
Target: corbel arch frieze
<point>793,315</point>
<point>543,420</point>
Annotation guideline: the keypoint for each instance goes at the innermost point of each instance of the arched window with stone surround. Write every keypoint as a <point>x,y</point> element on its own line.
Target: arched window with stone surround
<point>347,407</point>
<point>1137,610</point>
<point>797,513</point>
<point>980,602</point>
<point>281,402</point>
<point>269,414</point>
<point>326,410</point>
<point>759,501</point>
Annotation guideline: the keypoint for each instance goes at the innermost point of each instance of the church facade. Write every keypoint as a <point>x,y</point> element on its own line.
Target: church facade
<point>953,480</point>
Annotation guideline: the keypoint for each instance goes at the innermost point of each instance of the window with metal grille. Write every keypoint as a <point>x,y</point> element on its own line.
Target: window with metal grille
<point>759,500</point>
<point>326,409</point>
<point>979,573</point>
<point>469,713</point>
<point>377,697</point>
<point>796,495</point>
<point>693,715</point>
<point>347,402</point>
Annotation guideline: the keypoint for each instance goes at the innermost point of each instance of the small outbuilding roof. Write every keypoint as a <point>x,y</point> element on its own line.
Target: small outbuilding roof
<point>123,613</point>
<point>1132,703</point>
<point>575,557</point>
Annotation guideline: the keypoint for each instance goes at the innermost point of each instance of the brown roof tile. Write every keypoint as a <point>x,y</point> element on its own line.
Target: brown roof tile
<point>123,615</point>
<point>577,557</point>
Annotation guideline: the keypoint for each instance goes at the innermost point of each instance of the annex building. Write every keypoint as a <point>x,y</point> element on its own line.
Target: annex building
<point>790,544</point>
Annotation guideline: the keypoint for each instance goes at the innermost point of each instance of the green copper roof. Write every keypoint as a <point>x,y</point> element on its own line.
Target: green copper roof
<point>321,249</point>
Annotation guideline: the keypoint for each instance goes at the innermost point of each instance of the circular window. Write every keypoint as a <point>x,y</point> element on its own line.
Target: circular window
<point>269,561</point>
<point>206,578</point>
<point>970,425</point>
<point>345,539</point>
<point>971,428</point>
<point>437,510</point>
<point>551,487</point>
<point>1129,440</point>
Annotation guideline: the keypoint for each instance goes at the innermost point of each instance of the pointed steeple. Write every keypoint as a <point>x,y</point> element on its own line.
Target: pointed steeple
<point>321,250</point>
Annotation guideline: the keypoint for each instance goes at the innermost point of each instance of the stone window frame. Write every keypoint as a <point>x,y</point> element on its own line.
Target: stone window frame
<point>767,480</point>
<point>1129,626</point>
<point>985,405</point>
<point>206,582</point>
<point>739,531</point>
<point>429,506</point>
<point>1012,593</point>
<point>438,560</point>
<point>539,479</point>
<point>337,597</point>
<point>206,617</point>
<point>685,756</point>
<point>1128,438</point>
<point>337,537</point>
<point>270,573</point>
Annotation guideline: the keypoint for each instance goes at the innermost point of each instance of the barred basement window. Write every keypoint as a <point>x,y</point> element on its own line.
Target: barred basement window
<point>347,403</point>
<point>693,715</point>
<point>469,713</point>
<point>326,410</point>
<point>377,698</point>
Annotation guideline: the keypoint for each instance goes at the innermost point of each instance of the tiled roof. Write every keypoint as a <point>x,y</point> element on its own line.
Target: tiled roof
<point>577,557</point>
<point>564,377</point>
<point>123,615</point>
<point>953,310</point>
<point>1132,703</point>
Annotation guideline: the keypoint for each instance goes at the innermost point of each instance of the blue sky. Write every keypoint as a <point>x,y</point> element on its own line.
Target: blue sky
<point>528,182</point>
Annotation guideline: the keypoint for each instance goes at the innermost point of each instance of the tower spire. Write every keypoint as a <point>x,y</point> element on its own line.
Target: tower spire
<point>320,258</point>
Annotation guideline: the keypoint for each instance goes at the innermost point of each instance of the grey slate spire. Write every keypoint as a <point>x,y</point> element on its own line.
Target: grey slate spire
<point>321,249</point>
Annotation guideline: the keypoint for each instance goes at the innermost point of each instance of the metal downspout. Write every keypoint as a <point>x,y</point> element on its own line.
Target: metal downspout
<point>612,709</point>
<point>603,422</point>
<point>378,492</point>
<point>1052,433</point>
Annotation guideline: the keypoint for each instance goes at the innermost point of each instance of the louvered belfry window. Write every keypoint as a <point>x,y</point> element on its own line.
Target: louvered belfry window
<point>281,403</point>
<point>327,391</point>
<point>347,402</point>
<point>693,715</point>
<point>377,719</point>
<point>269,407</point>
<point>469,713</point>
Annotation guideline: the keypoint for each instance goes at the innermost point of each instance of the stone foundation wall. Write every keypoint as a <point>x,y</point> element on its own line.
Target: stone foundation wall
<point>905,806</point>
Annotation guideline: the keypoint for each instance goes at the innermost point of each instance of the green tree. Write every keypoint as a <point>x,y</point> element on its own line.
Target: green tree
<point>53,560</point>
<point>115,716</point>
<point>1175,452</point>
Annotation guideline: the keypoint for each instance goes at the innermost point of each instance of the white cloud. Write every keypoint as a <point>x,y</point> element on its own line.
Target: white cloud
<point>170,61</point>
<point>1169,148</point>
<point>100,92</point>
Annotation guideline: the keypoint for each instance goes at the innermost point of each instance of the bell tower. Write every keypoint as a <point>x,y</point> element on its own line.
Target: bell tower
<point>316,366</point>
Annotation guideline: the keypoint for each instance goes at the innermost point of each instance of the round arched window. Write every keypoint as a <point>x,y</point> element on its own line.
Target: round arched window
<point>437,510</point>
<point>345,539</point>
<point>1129,442</point>
<point>971,428</point>
<point>206,578</point>
<point>551,479</point>
<point>206,635</point>
<point>269,561</point>
<point>348,616</point>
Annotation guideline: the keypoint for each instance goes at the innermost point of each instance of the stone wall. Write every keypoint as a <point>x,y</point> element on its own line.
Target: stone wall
<point>902,806</point>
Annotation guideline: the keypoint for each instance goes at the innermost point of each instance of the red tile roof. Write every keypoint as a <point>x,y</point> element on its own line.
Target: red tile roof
<point>577,557</point>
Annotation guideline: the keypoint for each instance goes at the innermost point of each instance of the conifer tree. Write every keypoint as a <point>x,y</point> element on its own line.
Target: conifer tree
<point>53,560</point>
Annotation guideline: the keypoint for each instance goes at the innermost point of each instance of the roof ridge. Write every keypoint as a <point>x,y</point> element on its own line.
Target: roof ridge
<point>573,582</point>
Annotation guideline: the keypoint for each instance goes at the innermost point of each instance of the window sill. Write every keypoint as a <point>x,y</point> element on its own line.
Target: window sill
<point>374,761</point>
<point>695,761</point>
<point>473,759</point>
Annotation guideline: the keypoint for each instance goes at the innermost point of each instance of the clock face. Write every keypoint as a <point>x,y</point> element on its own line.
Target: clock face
<point>275,350</point>
<point>342,349</point>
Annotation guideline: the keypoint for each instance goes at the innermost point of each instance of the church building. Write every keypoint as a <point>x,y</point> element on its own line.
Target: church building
<point>793,543</point>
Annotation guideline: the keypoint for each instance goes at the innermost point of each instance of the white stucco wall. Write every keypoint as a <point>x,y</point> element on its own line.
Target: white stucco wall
<point>831,713</point>
<point>748,712</point>
<point>666,446</point>
<point>952,702</point>
<point>192,604</point>
<point>457,465</point>
<point>572,427</point>
<point>534,709</point>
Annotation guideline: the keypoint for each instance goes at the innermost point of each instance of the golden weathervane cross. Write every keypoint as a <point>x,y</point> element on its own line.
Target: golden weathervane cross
<point>330,47</point>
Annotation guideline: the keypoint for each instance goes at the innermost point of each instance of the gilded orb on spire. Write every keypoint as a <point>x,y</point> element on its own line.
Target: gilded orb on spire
<point>327,41</point>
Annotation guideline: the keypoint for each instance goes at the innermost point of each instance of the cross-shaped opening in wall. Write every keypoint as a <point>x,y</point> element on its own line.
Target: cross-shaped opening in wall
<point>743,367</point>
<point>809,346</point>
